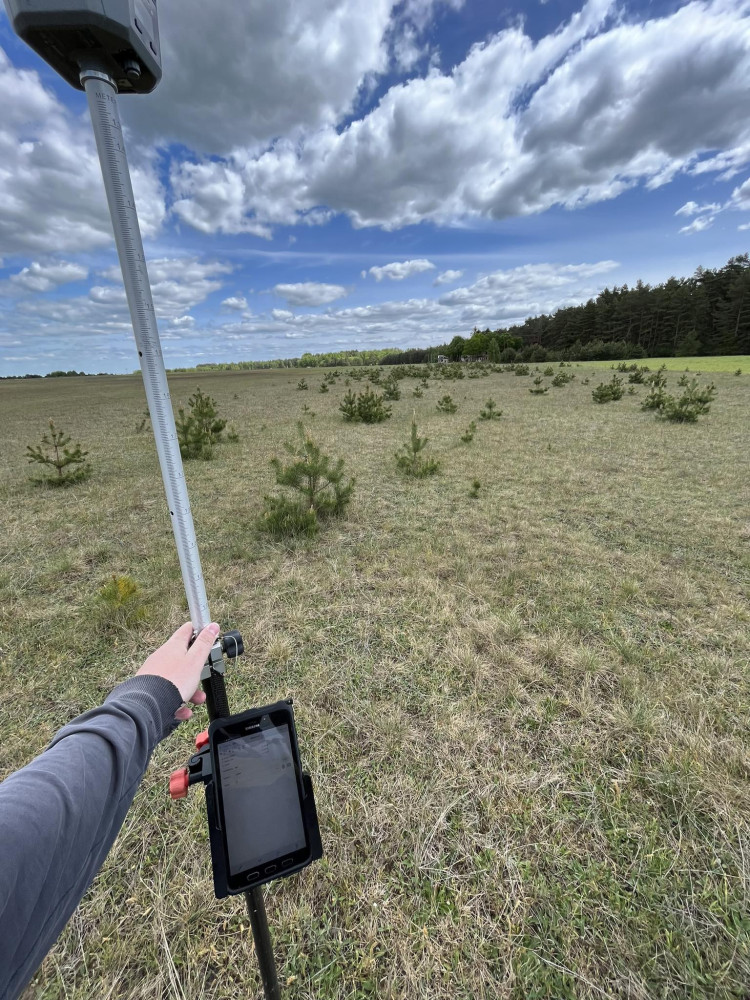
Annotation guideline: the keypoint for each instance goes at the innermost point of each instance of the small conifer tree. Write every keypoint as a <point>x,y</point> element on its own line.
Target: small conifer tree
<point>607,392</point>
<point>323,387</point>
<point>655,399</point>
<point>468,435</point>
<point>418,392</point>
<point>322,488</point>
<point>694,403</point>
<point>409,457</point>
<point>539,389</point>
<point>391,389</point>
<point>446,404</point>
<point>302,385</point>
<point>66,465</point>
<point>490,411</point>
<point>200,429</point>
<point>348,407</point>
<point>474,491</point>
<point>120,603</point>
<point>366,407</point>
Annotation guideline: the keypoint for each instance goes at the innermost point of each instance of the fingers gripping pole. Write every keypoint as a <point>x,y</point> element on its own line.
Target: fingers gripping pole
<point>102,98</point>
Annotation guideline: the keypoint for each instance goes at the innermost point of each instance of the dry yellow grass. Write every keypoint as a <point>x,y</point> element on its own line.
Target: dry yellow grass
<point>526,715</point>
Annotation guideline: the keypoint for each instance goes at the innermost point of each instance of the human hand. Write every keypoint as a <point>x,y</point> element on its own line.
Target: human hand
<point>183,666</point>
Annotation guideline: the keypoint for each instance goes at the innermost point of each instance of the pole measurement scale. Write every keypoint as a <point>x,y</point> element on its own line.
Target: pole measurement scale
<point>106,47</point>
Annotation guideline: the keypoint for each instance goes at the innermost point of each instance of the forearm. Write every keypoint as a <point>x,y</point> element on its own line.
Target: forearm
<point>61,813</point>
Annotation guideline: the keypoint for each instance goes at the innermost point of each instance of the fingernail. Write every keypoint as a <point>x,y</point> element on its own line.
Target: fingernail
<point>214,629</point>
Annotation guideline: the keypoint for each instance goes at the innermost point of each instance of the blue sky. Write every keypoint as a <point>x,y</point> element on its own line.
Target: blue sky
<point>329,174</point>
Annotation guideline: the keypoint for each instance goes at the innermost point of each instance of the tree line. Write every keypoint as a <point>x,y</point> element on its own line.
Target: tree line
<point>706,314</point>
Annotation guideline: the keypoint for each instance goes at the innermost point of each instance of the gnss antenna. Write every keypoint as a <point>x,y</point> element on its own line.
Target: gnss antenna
<point>105,47</point>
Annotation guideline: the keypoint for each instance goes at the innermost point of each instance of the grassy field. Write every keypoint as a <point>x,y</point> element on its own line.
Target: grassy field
<point>527,716</point>
<point>729,363</point>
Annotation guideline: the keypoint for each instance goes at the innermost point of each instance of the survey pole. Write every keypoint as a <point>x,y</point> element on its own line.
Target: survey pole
<point>101,92</point>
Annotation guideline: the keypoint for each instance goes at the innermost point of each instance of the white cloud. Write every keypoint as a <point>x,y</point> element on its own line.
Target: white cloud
<point>51,183</point>
<point>740,198</point>
<point>520,125</point>
<point>698,225</point>
<point>177,284</point>
<point>406,49</point>
<point>235,302</point>
<point>243,73</point>
<point>744,226</point>
<point>39,277</point>
<point>693,208</point>
<point>309,293</point>
<point>448,277</point>
<point>401,269</point>
<point>282,314</point>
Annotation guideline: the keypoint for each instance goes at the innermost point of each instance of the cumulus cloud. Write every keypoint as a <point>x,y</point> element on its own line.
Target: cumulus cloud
<point>53,195</point>
<point>268,69</point>
<point>38,277</point>
<point>177,283</point>
<point>401,269</point>
<point>448,277</point>
<point>520,125</point>
<point>309,293</point>
<point>698,225</point>
<point>235,302</point>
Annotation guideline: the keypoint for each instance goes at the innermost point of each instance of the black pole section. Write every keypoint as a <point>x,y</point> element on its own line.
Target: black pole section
<point>217,704</point>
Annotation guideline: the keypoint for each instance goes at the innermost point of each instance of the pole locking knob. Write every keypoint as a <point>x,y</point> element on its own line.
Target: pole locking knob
<point>178,784</point>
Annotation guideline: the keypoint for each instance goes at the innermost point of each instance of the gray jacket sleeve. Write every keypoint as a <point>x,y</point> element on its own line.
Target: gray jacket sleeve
<point>61,813</point>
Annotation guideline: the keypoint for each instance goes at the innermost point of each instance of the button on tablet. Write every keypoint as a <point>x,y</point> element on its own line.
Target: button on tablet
<point>286,862</point>
<point>269,869</point>
<point>251,876</point>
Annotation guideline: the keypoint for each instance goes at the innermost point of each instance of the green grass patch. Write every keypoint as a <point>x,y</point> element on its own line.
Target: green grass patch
<point>729,363</point>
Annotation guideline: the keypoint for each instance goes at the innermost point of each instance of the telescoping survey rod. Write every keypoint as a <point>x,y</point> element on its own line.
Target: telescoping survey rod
<point>102,47</point>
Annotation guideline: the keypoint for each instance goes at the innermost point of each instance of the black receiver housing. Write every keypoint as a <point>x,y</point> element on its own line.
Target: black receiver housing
<point>117,37</point>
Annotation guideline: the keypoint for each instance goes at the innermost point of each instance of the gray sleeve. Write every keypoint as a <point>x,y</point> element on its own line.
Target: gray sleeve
<point>61,813</point>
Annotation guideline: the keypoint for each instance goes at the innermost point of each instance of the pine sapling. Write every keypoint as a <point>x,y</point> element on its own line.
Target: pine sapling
<point>323,387</point>
<point>474,491</point>
<point>446,405</point>
<point>655,399</point>
<point>66,465</point>
<point>490,411</point>
<point>348,407</point>
<point>120,603</point>
<point>302,385</point>
<point>391,389</point>
<point>692,404</point>
<point>323,489</point>
<point>539,389</point>
<point>409,457</point>
<point>200,429</point>
<point>468,435</point>
<point>607,392</point>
